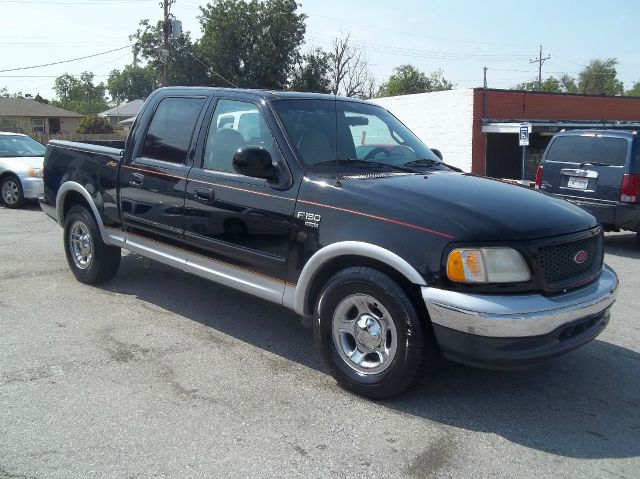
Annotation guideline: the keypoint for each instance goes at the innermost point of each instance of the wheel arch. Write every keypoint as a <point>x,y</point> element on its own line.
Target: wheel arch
<point>72,193</point>
<point>330,259</point>
<point>8,173</point>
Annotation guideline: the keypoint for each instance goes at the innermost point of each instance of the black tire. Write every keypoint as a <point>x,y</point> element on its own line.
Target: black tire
<point>415,347</point>
<point>101,261</point>
<point>11,192</point>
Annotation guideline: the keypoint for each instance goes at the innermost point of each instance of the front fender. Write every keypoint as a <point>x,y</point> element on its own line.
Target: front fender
<point>296,297</point>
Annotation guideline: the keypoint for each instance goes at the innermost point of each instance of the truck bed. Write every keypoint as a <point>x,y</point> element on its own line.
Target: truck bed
<point>94,167</point>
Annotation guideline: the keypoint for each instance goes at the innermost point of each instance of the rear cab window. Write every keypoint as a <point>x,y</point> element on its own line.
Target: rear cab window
<point>171,129</point>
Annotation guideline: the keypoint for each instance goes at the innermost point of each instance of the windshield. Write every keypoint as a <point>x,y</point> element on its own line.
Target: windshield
<point>12,146</point>
<point>324,131</point>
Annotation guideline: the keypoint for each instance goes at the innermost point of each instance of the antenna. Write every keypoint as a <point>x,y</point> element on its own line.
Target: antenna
<point>337,184</point>
<point>540,61</point>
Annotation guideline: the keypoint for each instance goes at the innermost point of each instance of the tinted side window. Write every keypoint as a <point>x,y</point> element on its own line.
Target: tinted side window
<point>235,124</point>
<point>589,149</point>
<point>171,129</point>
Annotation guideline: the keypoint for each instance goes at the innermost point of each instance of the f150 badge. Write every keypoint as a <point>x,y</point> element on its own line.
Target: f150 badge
<point>310,219</point>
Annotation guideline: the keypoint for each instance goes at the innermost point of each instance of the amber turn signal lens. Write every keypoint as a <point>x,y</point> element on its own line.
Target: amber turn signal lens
<point>455,268</point>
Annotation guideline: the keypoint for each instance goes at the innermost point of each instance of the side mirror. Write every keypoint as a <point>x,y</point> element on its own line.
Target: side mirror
<point>437,152</point>
<point>255,162</point>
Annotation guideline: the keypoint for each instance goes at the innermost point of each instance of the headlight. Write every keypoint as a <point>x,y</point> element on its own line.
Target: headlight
<point>34,172</point>
<point>487,265</point>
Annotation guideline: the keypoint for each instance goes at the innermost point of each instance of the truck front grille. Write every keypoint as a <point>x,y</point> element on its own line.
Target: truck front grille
<point>573,263</point>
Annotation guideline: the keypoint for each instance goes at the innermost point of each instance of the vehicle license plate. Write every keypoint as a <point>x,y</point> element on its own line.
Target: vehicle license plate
<point>578,183</point>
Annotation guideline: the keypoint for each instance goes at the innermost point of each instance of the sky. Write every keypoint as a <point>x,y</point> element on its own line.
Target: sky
<point>460,37</point>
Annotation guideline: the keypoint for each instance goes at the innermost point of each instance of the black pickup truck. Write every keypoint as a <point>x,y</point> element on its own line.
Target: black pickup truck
<point>333,208</point>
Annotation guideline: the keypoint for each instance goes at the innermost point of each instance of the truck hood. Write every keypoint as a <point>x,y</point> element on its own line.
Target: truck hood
<point>468,207</point>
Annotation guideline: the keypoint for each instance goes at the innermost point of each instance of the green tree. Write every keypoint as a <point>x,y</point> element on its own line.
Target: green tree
<point>251,44</point>
<point>132,83</point>
<point>564,84</point>
<point>94,124</point>
<point>568,84</point>
<point>551,84</point>
<point>4,93</point>
<point>311,73</point>
<point>184,63</point>
<point>407,80</point>
<point>600,78</point>
<point>635,90</point>
<point>80,94</point>
<point>39,99</point>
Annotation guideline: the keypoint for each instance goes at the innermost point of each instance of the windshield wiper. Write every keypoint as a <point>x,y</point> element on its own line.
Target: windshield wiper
<point>429,163</point>
<point>366,163</point>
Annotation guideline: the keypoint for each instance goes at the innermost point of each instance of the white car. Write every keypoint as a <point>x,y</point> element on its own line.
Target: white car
<point>21,160</point>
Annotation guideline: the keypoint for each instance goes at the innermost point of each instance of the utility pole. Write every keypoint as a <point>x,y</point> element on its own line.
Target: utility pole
<point>540,61</point>
<point>484,95</point>
<point>166,27</point>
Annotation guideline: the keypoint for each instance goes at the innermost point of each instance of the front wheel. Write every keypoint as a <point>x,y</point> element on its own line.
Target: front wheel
<point>370,334</point>
<point>90,259</point>
<point>12,194</point>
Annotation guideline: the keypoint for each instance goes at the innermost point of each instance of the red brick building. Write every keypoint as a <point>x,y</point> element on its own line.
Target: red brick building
<point>497,115</point>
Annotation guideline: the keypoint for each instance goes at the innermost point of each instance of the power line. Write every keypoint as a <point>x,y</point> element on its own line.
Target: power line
<point>64,61</point>
<point>409,33</point>
<point>207,67</point>
<point>432,54</point>
<point>41,76</point>
<point>51,2</point>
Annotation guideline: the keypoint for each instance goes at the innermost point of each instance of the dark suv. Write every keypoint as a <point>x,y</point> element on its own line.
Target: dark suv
<point>598,170</point>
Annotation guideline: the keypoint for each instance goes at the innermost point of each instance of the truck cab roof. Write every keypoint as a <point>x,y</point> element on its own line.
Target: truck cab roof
<point>261,94</point>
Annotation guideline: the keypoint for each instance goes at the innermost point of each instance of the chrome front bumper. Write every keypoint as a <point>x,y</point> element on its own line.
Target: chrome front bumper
<point>518,316</point>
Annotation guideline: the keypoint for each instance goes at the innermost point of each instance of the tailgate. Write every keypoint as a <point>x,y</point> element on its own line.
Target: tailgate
<point>589,166</point>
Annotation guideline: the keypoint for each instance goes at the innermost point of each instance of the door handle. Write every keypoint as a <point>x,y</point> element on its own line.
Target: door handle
<point>203,194</point>
<point>136,179</point>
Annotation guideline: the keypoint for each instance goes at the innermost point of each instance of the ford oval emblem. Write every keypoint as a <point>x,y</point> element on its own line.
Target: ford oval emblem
<point>581,257</point>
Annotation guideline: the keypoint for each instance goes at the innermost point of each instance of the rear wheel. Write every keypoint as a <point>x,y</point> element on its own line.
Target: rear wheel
<point>12,194</point>
<point>90,259</point>
<point>370,334</point>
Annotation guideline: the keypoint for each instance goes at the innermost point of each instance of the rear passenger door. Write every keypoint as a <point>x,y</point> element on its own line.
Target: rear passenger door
<point>237,228</point>
<point>153,180</point>
<point>588,166</point>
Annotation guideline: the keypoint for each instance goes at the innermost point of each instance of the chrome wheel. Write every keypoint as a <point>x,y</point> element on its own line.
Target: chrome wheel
<point>364,334</point>
<point>10,192</point>
<point>81,244</point>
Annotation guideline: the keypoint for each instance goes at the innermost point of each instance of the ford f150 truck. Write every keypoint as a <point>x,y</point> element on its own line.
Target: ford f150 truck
<point>398,257</point>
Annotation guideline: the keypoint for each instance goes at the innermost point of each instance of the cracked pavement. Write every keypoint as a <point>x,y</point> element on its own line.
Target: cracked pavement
<point>161,374</point>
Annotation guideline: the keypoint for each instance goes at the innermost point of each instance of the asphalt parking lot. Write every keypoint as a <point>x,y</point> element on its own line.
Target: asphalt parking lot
<point>162,374</point>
